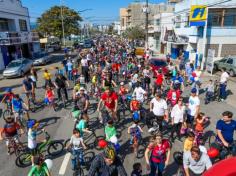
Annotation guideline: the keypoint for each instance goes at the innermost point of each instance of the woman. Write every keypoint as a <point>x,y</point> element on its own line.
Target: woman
<point>177,116</point>
<point>77,145</point>
<point>159,150</point>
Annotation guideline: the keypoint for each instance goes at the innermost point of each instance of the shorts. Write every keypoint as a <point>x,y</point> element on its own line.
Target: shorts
<point>33,151</point>
<point>190,119</point>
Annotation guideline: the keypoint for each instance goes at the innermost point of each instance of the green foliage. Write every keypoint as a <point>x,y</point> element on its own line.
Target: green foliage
<point>50,22</point>
<point>134,33</point>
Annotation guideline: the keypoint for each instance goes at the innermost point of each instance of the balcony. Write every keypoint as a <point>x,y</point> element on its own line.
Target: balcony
<point>14,38</point>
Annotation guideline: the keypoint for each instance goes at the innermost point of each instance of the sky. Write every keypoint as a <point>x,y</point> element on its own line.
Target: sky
<point>102,11</point>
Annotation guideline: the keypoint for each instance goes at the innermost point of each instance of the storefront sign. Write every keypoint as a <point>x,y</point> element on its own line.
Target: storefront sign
<point>198,15</point>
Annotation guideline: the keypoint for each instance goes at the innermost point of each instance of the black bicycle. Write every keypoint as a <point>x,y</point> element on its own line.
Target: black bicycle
<point>78,170</point>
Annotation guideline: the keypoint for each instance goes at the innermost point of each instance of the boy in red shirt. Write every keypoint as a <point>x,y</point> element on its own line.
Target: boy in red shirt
<point>8,97</point>
<point>159,81</point>
<point>173,96</point>
<point>134,104</point>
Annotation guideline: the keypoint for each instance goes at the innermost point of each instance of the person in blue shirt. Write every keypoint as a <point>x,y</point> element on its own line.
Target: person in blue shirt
<point>225,128</point>
<point>178,82</point>
<point>28,87</point>
<point>17,106</point>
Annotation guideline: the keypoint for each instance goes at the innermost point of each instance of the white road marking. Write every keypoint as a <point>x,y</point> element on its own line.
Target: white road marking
<point>64,164</point>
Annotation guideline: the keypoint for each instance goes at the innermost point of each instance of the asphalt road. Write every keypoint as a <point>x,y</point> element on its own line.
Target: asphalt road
<point>60,125</point>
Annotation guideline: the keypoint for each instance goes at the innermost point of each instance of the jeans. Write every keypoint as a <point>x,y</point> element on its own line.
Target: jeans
<point>157,167</point>
<point>190,119</point>
<point>77,155</point>
<point>209,97</point>
<point>176,129</point>
<point>59,93</point>
<point>223,91</point>
<point>69,74</point>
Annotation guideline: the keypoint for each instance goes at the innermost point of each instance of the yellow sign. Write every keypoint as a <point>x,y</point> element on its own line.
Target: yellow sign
<point>198,15</point>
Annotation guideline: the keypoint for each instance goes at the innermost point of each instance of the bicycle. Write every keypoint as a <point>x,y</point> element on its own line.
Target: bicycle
<point>31,101</point>
<point>19,117</point>
<point>53,148</point>
<point>8,111</point>
<point>63,98</point>
<point>178,158</point>
<point>16,146</point>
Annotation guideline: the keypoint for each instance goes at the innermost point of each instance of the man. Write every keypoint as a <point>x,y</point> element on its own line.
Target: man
<point>28,87</point>
<point>61,83</point>
<point>193,107</point>
<point>225,128</point>
<point>223,84</point>
<point>158,109</point>
<point>110,100</point>
<point>195,162</point>
<point>85,68</point>
<point>107,164</point>
<point>82,101</point>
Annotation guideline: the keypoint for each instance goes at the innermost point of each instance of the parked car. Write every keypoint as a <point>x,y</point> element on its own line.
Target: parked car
<point>42,58</point>
<point>157,63</point>
<point>88,43</point>
<point>229,63</point>
<point>17,68</point>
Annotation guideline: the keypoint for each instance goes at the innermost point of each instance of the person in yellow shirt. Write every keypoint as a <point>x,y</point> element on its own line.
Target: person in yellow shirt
<point>189,141</point>
<point>47,77</point>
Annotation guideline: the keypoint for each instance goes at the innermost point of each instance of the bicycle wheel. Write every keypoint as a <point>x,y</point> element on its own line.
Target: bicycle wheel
<point>55,148</point>
<point>78,172</point>
<point>6,113</point>
<point>23,160</point>
<point>211,139</point>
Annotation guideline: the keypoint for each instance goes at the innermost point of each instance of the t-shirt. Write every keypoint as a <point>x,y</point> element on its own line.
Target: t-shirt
<point>159,107</point>
<point>9,96</point>
<point>135,105</point>
<point>80,126</point>
<point>139,92</point>
<point>69,66</point>
<point>81,100</point>
<point>47,75</point>
<point>84,62</point>
<point>34,171</point>
<point>193,103</point>
<point>28,84</point>
<point>10,129</point>
<point>227,129</point>
<point>146,73</point>
<point>32,143</point>
<point>173,96</point>
<point>177,113</point>
<point>110,131</point>
<point>188,144</point>
<point>77,87</point>
<point>135,78</point>
<point>76,142</point>
<point>224,77</point>
<point>109,100</point>
<point>159,79</point>
<point>61,82</point>
<point>17,104</point>
<point>159,152</point>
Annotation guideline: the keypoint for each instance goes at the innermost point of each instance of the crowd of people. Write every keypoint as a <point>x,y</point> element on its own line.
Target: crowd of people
<point>111,74</point>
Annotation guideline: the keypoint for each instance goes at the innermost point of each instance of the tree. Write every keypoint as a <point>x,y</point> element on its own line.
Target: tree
<point>50,22</point>
<point>134,33</point>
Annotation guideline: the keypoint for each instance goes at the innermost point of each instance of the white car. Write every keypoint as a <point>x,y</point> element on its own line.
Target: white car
<point>42,58</point>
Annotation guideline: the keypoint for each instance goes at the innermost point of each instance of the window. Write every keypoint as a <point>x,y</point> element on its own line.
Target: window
<point>230,61</point>
<point>186,22</point>
<point>23,25</point>
<point>4,25</point>
<point>230,17</point>
<point>215,17</point>
<point>178,21</point>
<point>158,22</point>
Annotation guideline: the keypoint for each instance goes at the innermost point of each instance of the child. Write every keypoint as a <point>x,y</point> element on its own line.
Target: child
<point>137,169</point>
<point>199,127</point>
<point>135,130</point>
<point>209,91</point>
<point>82,125</point>
<point>8,97</point>
<point>134,104</point>
<point>110,130</point>
<point>189,141</point>
<point>201,145</point>
<point>50,97</point>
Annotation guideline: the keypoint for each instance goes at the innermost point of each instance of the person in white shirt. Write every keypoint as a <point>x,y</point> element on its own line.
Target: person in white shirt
<point>85,69</point>
<point>158,109</point>
<point>223,84</point>
<point>139,92</point>
<point>177,116</point>
<point>193,107</point>
<point>147,78</point>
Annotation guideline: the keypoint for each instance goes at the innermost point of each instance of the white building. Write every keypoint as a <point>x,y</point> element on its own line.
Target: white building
<point>16,40</point>
<point>117,27</point>
<point>220,31</point>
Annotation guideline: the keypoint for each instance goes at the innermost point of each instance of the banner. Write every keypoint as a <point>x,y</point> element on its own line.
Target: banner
<point>198,15</point>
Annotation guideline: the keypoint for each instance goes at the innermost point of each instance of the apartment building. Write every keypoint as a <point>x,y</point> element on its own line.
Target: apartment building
<point>16,39</point>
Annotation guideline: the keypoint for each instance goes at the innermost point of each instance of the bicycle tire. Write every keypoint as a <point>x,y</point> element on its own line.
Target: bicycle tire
<point>6,113</point>
<point>78,172</point>
<point>57,146</point>
<point>23,160</point>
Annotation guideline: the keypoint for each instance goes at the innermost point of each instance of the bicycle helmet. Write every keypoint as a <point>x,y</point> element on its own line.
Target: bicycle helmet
<point>102,143</point>
<point>32,123</point>
<point>109,152</point>
<point>136,116</point>
<point>213,152</point>
<point>9,119</point>
<point>178,157</point>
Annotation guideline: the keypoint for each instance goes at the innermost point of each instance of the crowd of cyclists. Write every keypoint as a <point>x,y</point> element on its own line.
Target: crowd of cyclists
<point>112,75</point>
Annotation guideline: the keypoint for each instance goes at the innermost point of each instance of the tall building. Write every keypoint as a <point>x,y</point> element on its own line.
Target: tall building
<point>123,19</point>
<point>16,39</point>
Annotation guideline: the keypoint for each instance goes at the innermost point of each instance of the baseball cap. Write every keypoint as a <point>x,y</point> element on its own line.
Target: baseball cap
<point>194,90</point>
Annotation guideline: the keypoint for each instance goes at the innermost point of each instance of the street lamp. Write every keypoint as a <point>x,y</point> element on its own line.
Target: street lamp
<point>62,23</point>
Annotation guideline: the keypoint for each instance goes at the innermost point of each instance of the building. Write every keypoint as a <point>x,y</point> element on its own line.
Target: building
<point>123,19</point>
<point>117,27</point>
<point>220,31</point>
<point>16,39</point>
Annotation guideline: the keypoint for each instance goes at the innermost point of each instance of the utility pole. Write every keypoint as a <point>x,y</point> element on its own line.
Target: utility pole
<point>146,24</point>
<point>62,23</point>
